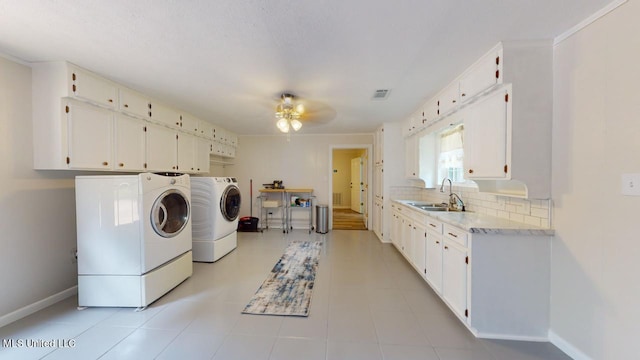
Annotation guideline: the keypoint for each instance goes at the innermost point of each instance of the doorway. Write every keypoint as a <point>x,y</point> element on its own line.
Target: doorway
<point>349,190</point>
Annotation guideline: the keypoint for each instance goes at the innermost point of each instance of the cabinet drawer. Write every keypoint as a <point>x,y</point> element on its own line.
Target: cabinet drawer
<point>434,225</point>
<point>455,234</point>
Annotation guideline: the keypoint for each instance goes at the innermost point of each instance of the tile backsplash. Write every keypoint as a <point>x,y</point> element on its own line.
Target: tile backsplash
<point>533,212</point>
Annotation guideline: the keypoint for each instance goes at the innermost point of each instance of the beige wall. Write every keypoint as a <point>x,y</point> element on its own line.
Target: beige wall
<point>37,208</point>
<point>301,161</point>
<point>596,138</point>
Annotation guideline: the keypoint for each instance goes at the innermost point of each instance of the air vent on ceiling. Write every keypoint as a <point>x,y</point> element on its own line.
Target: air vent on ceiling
<point>381,94</point>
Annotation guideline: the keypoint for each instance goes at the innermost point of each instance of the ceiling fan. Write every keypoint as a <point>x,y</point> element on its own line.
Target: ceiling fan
<point>292,112</point>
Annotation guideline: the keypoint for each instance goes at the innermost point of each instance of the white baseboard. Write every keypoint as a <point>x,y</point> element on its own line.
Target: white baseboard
<point>567,347</point>
<point>509,337</point>
<point>37,306</point>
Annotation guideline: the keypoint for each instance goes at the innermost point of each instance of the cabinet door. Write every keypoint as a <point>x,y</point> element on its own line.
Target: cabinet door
<point>454,276</point>
<point>165,115</point>
<point>161,144</point>
<point>407,238</point>
<point>92,88</point>
<point>411,157</point>
<point>90,136</point>
<point>434,260</point>
<point>134,103</point>
<point>187,146</point>
<point>204,148</point>
<point>205,129</point>
<point>448,98</point>
<point>419,247</point>
<point>481,76</point>
<point>431,112</point>
<point>129,143</point>
<point>486,136</point>
<point>189,124</point>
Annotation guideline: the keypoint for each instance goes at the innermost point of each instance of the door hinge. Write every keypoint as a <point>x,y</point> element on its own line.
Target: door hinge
<point>506,169</point>
<point>73,76</point>
<point>425,271</point>
<point>176,136</point>
<point>497,74</point>
<point>144,128</point>
<point>145,165</point>
<point>73,87</point>
<point>506,97</point>
<point>466,260</point>
<point>498,60</point>
<point>68,160</point>
<point>466,312</point>
<point>66,109</point>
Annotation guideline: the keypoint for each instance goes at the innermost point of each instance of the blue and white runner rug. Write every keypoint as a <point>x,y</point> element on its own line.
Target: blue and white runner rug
<point>288,289</point>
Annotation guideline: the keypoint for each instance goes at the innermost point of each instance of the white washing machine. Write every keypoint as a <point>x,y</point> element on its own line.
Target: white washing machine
<point>215,206</point>
<point>134,237</point>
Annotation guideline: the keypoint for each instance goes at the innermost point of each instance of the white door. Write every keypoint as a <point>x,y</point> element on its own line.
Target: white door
<point>161,146</point>
<point>130,143</point>
<point>454,276</point>
<point>90,136</point>
<point>187,152</point>
<point>356,185</point>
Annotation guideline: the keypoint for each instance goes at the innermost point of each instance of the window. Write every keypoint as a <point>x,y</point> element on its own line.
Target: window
<point>451,155</point>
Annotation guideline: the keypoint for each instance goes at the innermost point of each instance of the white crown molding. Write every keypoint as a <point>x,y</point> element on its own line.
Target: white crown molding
<point>586,22</point>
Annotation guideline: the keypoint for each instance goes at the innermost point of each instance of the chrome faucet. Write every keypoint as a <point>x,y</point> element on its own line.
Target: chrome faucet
<point>453,197</point>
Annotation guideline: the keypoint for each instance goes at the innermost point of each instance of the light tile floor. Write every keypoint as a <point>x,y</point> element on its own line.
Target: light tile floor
<point>368,303</point>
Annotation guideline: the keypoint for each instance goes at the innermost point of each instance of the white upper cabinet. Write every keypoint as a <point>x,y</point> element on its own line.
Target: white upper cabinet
<point>161,148</point>
<point>202,157</point>
<point>165,115</point>
<point>411,169</point>
<point>205,129</point>
<point>92,88</point>
<point>85,122</point>
<point>89,136</point>
<point>187,147</point>
<point>487,139</point>
<point>133,103</point>
<point>448,99</point>
<point>189,124</point>
<point>484,74</point>
<point>129,143</point>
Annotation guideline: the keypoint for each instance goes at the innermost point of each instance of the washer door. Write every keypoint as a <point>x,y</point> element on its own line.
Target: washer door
<point>170,213</point>
<point>230,203</point>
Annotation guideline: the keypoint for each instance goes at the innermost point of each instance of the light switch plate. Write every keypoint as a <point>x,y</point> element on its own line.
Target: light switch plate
<point>631,184</point>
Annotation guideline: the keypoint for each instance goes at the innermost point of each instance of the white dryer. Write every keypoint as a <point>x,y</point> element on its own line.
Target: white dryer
<point>134,237</point>
<point>216,206</point>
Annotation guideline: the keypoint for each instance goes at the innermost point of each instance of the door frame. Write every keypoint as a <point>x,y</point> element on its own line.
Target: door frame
<point>369,177</point>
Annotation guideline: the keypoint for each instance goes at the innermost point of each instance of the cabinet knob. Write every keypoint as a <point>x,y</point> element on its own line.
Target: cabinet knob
<point>121,164</point>
<point>454,101</point>
<point>470,171</point>
<point>105,163</point>
<point>110,100</point>
<point>177,123</point>
<point>437,242</point>
<point>446,248</point>
<point>463,94</point>
<point>126,105</point>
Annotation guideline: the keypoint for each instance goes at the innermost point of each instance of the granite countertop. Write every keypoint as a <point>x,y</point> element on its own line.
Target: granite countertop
<point>480,223</point>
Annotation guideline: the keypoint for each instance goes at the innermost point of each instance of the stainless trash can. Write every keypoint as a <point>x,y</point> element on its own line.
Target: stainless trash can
<point>322,219</point>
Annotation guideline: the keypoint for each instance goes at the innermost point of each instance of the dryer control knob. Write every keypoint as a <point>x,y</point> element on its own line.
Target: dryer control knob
<point>173,181</point>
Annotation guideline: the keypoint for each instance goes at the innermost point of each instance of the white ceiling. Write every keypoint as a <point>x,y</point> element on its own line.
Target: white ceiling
<point>227,61</point>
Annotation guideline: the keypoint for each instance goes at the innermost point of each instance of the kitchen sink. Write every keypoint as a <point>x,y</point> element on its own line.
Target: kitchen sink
<point>433,207</point>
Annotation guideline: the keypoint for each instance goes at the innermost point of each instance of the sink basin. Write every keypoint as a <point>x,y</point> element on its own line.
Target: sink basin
<point>433,207</point>
<point>429,206</point>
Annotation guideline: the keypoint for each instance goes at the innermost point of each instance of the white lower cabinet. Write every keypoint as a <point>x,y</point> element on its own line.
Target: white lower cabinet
<point>434,255</point>
<point>454,277</point>
<point>496,283</point>
<point>419,240</point>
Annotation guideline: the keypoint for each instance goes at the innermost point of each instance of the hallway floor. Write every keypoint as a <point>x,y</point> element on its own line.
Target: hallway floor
<point>347,219</point>
<point>368,303</point>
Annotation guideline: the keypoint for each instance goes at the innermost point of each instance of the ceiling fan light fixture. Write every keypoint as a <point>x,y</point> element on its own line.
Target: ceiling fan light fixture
<point>296,125</point>
<point>283,125</point>
<point>288,114</point>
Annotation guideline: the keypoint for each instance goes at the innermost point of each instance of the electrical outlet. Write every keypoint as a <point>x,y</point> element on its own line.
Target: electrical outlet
<point>631,184</point>
<point>74,256</point>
